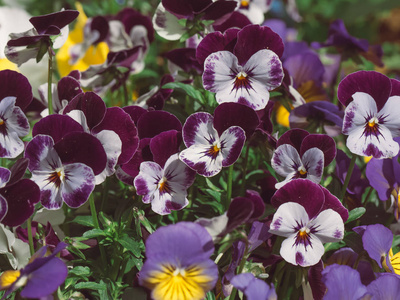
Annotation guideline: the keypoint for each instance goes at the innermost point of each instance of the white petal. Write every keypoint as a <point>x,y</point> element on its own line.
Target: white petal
<point>288,219</point>
<point>166,24</point>
<point>301,254</point>
<point>79,117</point>
<point>196,158</point>
<point>50,194</point>
<point>329,226</point>
<point>358,112</point>
<point>313,161</point>
<point>177,173</point>
<point>391,113</point>
<point>286,160</point>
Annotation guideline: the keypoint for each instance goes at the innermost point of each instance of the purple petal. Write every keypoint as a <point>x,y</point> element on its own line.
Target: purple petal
<point>41,154</point>
<point>5,175</point>
<point>68,87</point>
<point>21,198</point>
<point>386,286</point>
<point>91,105</point>
<point>164,145</point>
<point>305,67</point>
<point>301,191</point>
<point>293,137</point>
<point>236,20</point>
<point>155,122</point>
<point>253,38</point>
<point>3,208</point>
<point>198,129</point>
<point>56,126</point>
<point>117,120</point>
<point>322,142</point>
<point>341,282</point>
<point>240,211</point>
<point>16,85</point>
<point>135,112</point>
<point>82,147</point>
<point>232,142</point>
<point>59,20</point>
<point>78,184</point>
<point>334,203</point>
<point>377,85</point>
<point>377,241</point>
<point>253,288</point>
<point>146,182</point>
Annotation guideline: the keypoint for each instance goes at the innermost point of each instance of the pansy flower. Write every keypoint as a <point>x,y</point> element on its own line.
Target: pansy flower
<point>246,72</point>
<point>253,288</point>
<point>209,150</point>
<point>178,264</point>
<point>40,278</point>
<point>35,42</point>
<point>302,155</point>
<point>254,9</point>
<point>164,187</point>
<point>60,179</point>
<point>307,216</point>
<point>371,120</point>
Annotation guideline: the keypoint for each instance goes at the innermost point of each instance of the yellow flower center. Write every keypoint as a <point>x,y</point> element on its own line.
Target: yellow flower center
<point>8,278</point>
<point>244,3</point>
<point>163,186</point>
<point>57,176</point>
<point>1,122</point>
<point>174,283</point>
<point>214,150</point>
<point>302,170</point>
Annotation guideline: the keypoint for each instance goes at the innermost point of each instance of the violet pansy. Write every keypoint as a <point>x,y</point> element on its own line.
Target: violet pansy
<point>208,151</point>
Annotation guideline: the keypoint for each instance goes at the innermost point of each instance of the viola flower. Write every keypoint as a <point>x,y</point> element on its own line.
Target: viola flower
<point>302,155</point>
<point>253,288</point>
<point>178,264</point>
<point>306,224</point>
<point>35,42</point>
<point>249,72</point>
<point>71,183</point>
<point>386,286</point>
<point>40,278</point>
<point>164,187</point>
<point>208,151</point>
<point>370,120</point>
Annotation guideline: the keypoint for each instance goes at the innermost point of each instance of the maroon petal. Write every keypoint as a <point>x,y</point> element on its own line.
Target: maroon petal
<point>181,8</point>
<point>21,198</point>
<point>293,137</point>
<point>219,11</point>
<point>56,126</point>
<point>334,203</point>
<point>258,204</point>
<point>155,122</point>
<point>16,85</point>
<point>132,167</point>
<point>83,148</point>
<point>117,120</point>
<point>68,87</point>
<point>240,211</point>
<point>373,83</point>
<point>320,141</point>
<point>236,19</point>
<point>315,278</point>
<point>302,191</point>
<point>91,105</point>
<point>235,114</point>
<point>395,87</point>
<point>253,38</point>
<point>18,170</point>
<point>135,112</point>
<point>131,18</point>
<point>214,42</point>
<point>59,19</point>
<point>164,145</point>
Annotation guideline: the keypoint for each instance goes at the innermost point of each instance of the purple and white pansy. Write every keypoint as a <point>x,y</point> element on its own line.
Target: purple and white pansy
<point>308,215</point>
<point>302,155</point>
<point>207,149</point>
<point>58,182</point>
<point>246,72</point>
<point>371,116</point>
<point>164,187</point>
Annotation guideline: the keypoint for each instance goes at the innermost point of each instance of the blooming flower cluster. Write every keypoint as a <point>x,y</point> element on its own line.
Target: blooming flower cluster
<point>199,149</point>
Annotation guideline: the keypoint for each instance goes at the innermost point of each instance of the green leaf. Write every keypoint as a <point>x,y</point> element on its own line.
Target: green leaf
<point>334,246</point>
<point>189,89</point>
<point>106,222</point>
<point>84,220</point>
<point>94,233</point>
<point>91,286</point>
<point>81,271</point>
<point>131,245</point>
<point>77,252</point>
<point>355,214</point>
<point>212,186</point>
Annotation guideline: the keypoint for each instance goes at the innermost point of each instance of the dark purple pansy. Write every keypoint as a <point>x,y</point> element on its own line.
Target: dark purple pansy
<point>35,42</point>
<point>15,85</point>
<point>370,121</point>
<point>307,216</point>
<point>184,249</point>
<point>40,278</point>
<point>302,155</point>
<point>207,151</point>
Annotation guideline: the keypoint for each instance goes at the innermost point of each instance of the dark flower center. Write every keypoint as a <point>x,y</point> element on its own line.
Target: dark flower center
<point>163,186</point>
<point>56,177</point>
<point>303,237</point>
<point>372,127</point>
<point>214,150</point>
<point>241,81</point>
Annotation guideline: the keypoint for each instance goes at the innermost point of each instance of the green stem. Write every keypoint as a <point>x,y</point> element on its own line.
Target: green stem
<point>246,159</point>
<point>49,82</point>
<point>104,196</point>
<point>229,186</point>
<point>97,225</point>
<point>30,237</point>
<point>126,95</point>
<point>348,176</point>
